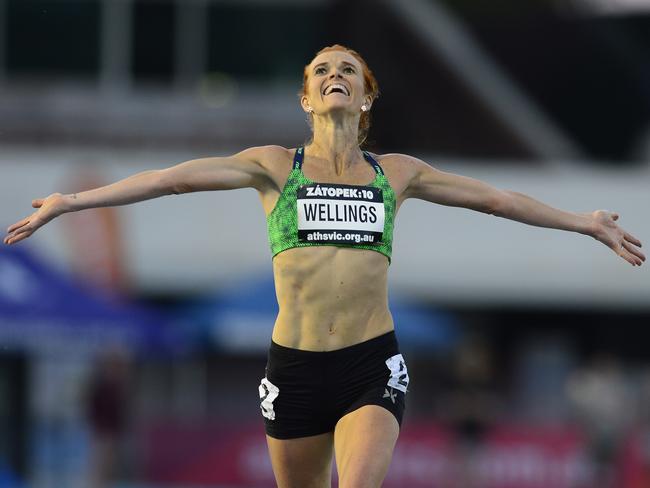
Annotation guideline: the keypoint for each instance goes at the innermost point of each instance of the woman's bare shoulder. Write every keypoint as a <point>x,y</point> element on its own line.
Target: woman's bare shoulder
<point>270,157</point>
<point>276,160</point>
<point>268,153</point>
<point>396,158</point>
<point>398,164</point>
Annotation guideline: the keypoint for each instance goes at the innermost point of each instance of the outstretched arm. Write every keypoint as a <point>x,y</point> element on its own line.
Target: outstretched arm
<point>241,170</point>
<point>437,186</point>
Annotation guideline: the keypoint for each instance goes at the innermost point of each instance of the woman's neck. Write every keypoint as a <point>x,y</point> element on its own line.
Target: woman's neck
<point>337,143</point>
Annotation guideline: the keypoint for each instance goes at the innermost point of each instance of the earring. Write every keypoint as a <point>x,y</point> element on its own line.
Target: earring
<point>310,110</point>
<point>364,108</point>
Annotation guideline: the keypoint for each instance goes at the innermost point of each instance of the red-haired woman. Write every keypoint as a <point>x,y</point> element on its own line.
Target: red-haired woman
<point>335,381</point>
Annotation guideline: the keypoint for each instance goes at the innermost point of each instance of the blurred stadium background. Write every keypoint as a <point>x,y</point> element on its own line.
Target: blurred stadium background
<point>132,340</point>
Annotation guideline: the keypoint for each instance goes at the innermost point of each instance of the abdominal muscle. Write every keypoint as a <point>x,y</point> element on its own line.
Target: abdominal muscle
<point>330,297</point>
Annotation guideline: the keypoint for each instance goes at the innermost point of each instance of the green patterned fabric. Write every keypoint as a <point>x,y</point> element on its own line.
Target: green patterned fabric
<point>282,222</point>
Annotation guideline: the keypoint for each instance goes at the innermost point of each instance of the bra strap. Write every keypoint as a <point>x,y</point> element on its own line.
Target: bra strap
<point>373,163</point>
<point>297,158</point>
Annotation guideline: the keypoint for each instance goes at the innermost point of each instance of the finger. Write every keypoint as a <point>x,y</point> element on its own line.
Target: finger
<point>18,224</point>
<point>632,239</point>
<point>17,238</point>
<point>20,232</point>
<point>38,202</point>
<point>631,258</point>
<point>628,257</point>
<point>633,250</point>
<point>30,226</point>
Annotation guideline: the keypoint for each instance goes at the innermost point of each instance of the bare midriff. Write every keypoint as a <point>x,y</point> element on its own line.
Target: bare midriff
<point>330,297</point>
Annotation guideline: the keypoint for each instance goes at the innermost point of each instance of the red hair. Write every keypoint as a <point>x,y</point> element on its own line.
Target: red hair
<point>369,81</point>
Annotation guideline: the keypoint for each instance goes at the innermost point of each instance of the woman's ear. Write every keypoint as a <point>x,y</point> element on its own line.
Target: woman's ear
<point>304,103</point>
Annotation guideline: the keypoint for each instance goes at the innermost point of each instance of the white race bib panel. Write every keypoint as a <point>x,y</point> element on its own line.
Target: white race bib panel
<point>399,375</point>
<point>268,393</point>
<point>340,214</point>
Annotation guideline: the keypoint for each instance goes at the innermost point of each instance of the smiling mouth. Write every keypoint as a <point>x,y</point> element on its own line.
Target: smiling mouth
<point>336,88</point>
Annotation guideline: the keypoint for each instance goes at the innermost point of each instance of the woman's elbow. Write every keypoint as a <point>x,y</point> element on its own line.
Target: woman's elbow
<point>499,204</point>
<point>168,184</point>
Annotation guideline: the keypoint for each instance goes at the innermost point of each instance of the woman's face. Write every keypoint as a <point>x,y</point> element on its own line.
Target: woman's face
<point>335,83</point>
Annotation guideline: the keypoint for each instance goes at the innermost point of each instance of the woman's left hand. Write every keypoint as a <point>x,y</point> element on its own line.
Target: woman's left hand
<point>605,230</point>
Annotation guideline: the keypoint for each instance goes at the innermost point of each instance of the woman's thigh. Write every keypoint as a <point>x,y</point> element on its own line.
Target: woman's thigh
<point>364,442</point>
<point>305,462</point>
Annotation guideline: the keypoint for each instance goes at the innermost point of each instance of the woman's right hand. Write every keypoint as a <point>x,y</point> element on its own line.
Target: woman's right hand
<point>48,209</point>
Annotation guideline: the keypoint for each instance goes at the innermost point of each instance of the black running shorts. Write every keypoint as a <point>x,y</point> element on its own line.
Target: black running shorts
<point>305,393</point>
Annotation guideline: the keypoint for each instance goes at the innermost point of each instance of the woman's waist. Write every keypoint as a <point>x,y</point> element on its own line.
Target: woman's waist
<point>328,330</point>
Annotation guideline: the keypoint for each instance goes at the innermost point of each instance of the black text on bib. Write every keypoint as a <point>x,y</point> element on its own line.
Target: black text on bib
<point>340,214</point>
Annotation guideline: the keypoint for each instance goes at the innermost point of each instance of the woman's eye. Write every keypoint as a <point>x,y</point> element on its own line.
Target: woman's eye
<point>349,70</point>
<point>319,71</point>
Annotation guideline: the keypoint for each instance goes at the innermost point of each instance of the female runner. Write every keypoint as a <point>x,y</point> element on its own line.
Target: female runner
<point>335,381</point>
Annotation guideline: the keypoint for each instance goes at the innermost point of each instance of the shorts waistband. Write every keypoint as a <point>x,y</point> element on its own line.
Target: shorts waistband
<point>389,338</point>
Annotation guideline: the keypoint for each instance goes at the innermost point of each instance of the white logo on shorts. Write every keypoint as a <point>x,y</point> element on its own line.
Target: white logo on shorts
<point>268,393</point>
<point>399,376</point>
<point>389,394</point>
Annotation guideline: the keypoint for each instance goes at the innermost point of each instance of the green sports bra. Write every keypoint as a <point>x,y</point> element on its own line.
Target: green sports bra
<point>331,214</point>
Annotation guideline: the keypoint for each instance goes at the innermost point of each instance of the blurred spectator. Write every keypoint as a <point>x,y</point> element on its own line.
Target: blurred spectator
<point>471,404</point>
<point>106,414</point>
<point>601,400</point>
<point>542,364</point>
